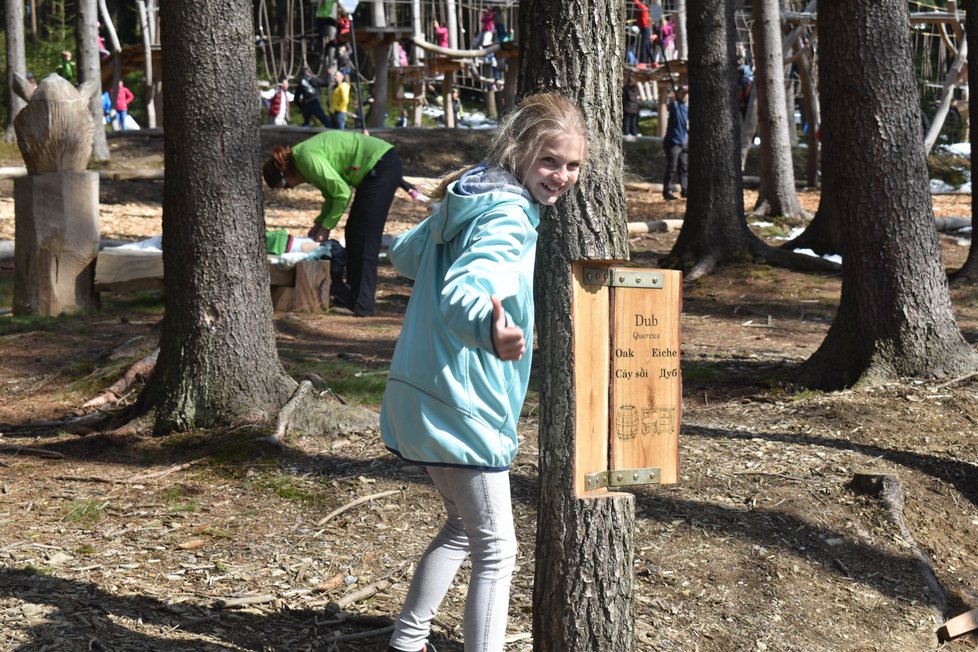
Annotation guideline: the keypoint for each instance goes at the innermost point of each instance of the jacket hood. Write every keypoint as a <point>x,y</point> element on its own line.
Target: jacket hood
<point>466,199</point>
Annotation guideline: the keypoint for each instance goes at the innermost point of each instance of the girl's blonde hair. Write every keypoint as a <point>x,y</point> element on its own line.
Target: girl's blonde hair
<point>524,132</point>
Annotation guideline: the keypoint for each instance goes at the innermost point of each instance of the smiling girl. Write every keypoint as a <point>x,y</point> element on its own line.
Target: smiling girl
<point>460,370</point>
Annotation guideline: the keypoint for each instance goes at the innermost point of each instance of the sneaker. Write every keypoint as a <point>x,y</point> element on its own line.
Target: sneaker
<point>417,195</point>
<point>668,196</point>
<point>683,194</point>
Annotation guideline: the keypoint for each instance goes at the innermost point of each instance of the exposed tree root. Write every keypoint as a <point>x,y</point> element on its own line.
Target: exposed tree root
<point>889,490</point>
<point>778,257</point>
<point>139,371</point>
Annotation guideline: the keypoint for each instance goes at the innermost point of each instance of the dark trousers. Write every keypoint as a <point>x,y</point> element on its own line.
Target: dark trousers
<point>676,157</point>
<point>365,228</point>
<point>314,109</point>
<point>629,124</point>
<point>645,45</point>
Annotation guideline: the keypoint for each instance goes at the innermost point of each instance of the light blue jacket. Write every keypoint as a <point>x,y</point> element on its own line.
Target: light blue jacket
<point>449,399</point>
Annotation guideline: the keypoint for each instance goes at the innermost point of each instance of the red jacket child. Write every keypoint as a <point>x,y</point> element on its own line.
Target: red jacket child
<point>121,98</point>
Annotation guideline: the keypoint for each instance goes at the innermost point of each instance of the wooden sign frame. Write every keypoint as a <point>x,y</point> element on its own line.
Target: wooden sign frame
<point>628,382</point>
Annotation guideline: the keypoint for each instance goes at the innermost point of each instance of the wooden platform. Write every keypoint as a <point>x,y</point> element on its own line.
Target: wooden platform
<point>303,288</point>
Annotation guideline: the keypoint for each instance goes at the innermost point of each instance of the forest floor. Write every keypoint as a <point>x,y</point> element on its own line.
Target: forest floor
<point>215,541</point>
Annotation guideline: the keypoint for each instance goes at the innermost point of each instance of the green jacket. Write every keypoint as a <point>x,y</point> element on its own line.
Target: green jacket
<point>335,162</point>
<point>67,70</point>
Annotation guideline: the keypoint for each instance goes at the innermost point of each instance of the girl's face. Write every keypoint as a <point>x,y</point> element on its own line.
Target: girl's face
<point>555,168</point>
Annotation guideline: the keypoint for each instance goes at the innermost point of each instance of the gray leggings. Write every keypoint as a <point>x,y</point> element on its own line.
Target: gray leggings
<point>480,522</point>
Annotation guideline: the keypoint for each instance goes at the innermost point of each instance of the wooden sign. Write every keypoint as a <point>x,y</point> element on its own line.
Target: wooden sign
<point>628,384</point>
<point>646,385</point>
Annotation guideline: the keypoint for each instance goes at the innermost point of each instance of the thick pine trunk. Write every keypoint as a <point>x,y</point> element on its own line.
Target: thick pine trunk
<point>715,228</point>
<point>895,317</point>
<point>16,62</point>
<point>584,576</point>
<point>89,68</point>
<point>777,194</point>
<point>218,362</point>
<point>969,271</point>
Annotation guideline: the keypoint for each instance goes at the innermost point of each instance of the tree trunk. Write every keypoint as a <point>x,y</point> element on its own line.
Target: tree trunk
<point>16,62</point>
<point>89,68</point>
<point>149,85</point>
<point>715,228</point>
<point>585,549</point>
<point>969,271</point>
<point>748,127</point>
<point>777,195</point>
<point>682,48</point>
<point>218,363</point>
<point>895,317</point>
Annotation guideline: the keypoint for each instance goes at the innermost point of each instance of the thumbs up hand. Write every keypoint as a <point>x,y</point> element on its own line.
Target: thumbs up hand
<point>507,340</point>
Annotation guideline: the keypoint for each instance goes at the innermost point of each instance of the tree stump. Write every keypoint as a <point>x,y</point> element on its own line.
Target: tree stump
<point>56,205</point>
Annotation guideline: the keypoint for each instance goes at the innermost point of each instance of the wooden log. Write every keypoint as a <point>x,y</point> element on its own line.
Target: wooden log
<point>656,226</point>
<point>959,625</point>
<point>56,222</point>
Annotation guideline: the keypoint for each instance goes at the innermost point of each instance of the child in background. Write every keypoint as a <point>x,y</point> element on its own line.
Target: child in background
<point>67,67</point>
<point>278,109</point>
<point>336,163</point>
<point>339,102</point>
<point>461,366</point>
<point>121,97</point>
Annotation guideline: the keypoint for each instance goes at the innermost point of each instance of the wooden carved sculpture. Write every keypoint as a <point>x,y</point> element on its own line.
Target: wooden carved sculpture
<point>55,129</point>
<point>56,205</point>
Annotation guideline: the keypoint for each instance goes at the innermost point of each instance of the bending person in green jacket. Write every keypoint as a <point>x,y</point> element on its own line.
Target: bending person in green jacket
<point>336,162</point>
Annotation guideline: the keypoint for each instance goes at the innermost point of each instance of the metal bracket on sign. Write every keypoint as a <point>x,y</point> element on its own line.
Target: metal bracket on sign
<point>623,277</point>
<point>622,478</point>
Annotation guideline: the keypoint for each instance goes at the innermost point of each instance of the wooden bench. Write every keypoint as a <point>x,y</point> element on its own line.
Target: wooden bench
<point>302,288</point>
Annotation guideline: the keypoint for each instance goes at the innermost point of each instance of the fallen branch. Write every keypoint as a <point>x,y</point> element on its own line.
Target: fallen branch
<point>374,633</point>
<point>245,601</point>
<point>156,475</point>
<point>959,379</point>
<point>356,596</point>
<point>35,452</point>
<point>351,505</point>
<point>135,479</point>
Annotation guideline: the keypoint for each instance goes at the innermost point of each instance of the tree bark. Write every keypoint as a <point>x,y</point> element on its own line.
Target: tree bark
<point>968,274</point>
<point>715,228</point>
<point>777,194</point>
<point>218,363</point>
<point>89,69</point>
<point>16,62</point>
<point>584,576</point>
<point>895,317</point>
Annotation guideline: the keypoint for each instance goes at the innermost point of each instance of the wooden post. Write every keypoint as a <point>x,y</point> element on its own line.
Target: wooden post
<point>56,222</point>
<point>446,93</point>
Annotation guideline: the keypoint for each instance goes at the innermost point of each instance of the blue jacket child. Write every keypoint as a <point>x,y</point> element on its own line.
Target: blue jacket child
<point>456,403</point>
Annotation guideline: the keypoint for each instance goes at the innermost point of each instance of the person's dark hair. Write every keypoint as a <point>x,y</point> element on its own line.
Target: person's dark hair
<point>525,131</point>
<point>275,167</point>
